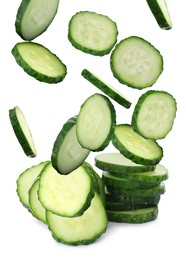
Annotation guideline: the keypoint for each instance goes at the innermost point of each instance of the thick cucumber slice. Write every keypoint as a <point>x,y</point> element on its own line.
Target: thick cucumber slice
<point>22,131</point>
<point>135,147</point>
<point>117,163</point>
<point>81,230</point>
<point>161,13</point>
<point>67,154</point>
<point>136,63</point>
<point>34,17</point>
<point>25,182</point>
<point>66,195</point>
<point>133,216</point>
<point>154,114</point>
<point>39,62</point>
<point>92,33</point>
<point>95,123</point>
<point>36,208</point>
<point>108,90</point>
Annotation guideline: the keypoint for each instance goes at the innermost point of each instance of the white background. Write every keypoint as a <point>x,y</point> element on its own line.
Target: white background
<point>47,107</point>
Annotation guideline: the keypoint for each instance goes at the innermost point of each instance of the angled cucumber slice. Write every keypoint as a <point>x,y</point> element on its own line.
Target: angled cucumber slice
<point>117,163</point>
<point>22,131</point>
<point>108,90</point>
<point>92,33</point>
<point>136,63</point>
<point>67,154</point>
<point>34,17</point>
<point>154,114</point>
<point>81,230</point>
<point>95,123</point>
<point>39,62</point>
<point>135,147</point>
<point>160,11</point>
<point>66,195</point>
<point>133,216</point>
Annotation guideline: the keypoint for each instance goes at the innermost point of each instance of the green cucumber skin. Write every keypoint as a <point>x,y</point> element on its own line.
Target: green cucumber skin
<point>103,87</point>
<point>133,157</point>
<point>20,134</point>
<point>20,13</point>
<point>38,76</point>
<point>133,218</point>
<point>156,10</point>
<point>138,107</point>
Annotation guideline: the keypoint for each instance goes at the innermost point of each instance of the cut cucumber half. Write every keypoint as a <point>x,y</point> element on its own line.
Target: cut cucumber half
<point>81,230</point>
<point>25,182</point>
<point>22,131</point>
<point>68,154</point>
<point>135,147</point>
<point>108,90</point>
<point>66,195</point>
<point>154,114</point>
<point>92,33</point>
<point>117,163</point>
<point>37,209</point>
<point>160,11</point>
<point>136,63</point>
<point>95,123</point>
<point>39,62</point>
<point>34,17</point>
<point>133,216</point>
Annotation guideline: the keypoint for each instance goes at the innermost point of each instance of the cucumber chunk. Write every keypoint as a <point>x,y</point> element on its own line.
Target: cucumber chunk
<point>135,147</point>
<point>92,33</point>
<point>161,14</point>
<point>39,62</point>
<point>34,17</point>
<point>95,123</point>
<point>108,90</point>
<point>136,63</point>
<point>67,154</point>
<point>81,230</point>
<point>66,195</point>
<point>22,131</point>
<point>154,114</point>
<point>133,216</point>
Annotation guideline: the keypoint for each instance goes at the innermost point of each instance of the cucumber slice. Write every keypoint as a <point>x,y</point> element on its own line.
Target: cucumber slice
<point>67,154</point>
<point>34,17</point>
<point>39,62</point>
<point>136,63</point>
<point>135,147</point>
<point>101,187</point>
<point>119,165</point>
<point>37,209</point>
<point>154,114</point>
<point>66,195</point>
<point>92,33</point>
<point>25,181</point>
<point>160,11</point>
<point>133,216</point>
<point>108,90</point>
<point>22,131</point>
<point>95,123</point>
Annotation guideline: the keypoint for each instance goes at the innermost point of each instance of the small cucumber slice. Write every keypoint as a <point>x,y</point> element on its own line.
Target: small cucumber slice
<point>22,131</point>
<point>39,62</point>
<point>135,147</point>
<point>95,123</point>
<point>133,216</point>
<point>67,154</point>
<point>34,17</point>
<point>108,90</point>
<point>160,11</point>
<point>81,230</point>
<point>136,63</point>
<point>154,114</point>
